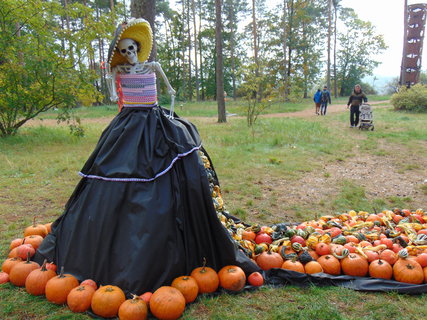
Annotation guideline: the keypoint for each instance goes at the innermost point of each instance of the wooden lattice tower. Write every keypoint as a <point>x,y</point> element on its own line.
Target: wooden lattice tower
<point>415,18</point>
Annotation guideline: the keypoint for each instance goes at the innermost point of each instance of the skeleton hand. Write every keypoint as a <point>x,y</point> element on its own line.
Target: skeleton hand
<point>114,98</point>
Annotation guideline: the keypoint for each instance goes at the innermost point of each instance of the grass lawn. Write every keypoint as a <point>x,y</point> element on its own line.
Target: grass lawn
<point>258,170</point>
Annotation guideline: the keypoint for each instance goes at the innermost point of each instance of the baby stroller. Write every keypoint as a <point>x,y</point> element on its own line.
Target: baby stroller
<point>366,119</point>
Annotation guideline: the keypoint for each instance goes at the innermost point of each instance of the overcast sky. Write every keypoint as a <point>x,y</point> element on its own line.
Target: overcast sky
<point>387,17</point>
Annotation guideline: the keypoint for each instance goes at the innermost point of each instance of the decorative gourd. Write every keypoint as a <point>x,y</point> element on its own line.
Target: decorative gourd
<point>232,278</point>
<point>167,303</point>
<point>35,229</point>
<point>35,283</point>
<point>344,252</point>
<point>4,277</point>
<point>330,264</point>
<point>304,257</point>
<point>407,270</point>
<point>188,287</point>
<point>58,288</point>
<point>106,301</point>
<point>355,265</point>
<point>268,260</point>
<point>206,277</point>
<point>20,271</point>
<point>380,269</point>
<point>133,309</point>
<point>293,265</point>
<point>313,267</point>
<point>9,263</point>
<point>79,299</point>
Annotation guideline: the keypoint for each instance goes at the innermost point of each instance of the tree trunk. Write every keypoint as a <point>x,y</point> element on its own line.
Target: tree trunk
<point>255,41</point>
<point>146,9</point>
<point>335,53</point>
<point>196,66</point>
<point>219,64</point>
<point>328,72</point>
<point>201,53</point>
<point>284,47</point>
<point>190,85</point>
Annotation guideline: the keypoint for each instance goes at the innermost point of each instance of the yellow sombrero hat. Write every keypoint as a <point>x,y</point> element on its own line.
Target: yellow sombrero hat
<point>136,29</point>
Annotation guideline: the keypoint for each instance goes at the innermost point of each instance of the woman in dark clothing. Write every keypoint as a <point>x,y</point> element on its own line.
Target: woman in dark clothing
<point>355,101</point>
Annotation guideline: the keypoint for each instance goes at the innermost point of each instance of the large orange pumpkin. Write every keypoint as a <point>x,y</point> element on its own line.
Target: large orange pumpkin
<point>207,278</point>
<point>167,303</point>
<point>133,309</point>
<point>380,269</point>
<point>355,265</point>
<point>20,271</point>
<point>9,263</point>
<point>268,260</point>
<point>35,229</point>
<point>408,271</point>
<point>35,283</point>
<point>79,299</point>
<point>293,265</point>
<point>232,278</point>
<point>313,267</point>
<point>188,287</point>
<point>330,264</point>
<point>58,288</point>
<point>106,301</point>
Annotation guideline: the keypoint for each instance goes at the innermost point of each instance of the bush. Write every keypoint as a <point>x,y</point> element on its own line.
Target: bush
<point>412,99</point>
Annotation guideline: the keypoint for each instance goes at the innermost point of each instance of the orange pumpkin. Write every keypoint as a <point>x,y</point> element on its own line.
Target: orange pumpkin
<point>15,243</point>
<point>106,301</point>
<point>35,229</point>
<point>256,279</point>
<point>48,227</point>
<point>322,249</point>
<point>330,264</point>
<point>355,265</point>
<point>146,296</point>
<point>58,288</point>
<point>313,267</point>
<point>133,309</point>
<point>232,278</point>
<point>4,277</point>
<point>34,240</point>
<point>9,263</point>
<point>268,260</point>
<point>188,287</point>
<point>380,269</point>
<point>79,299</point>
<point>167,303</point>
<point>206,277</point>
<point>408,271</point>
<point>20,271</point>
<point>293,265</point>
<point>425,274</point>
<point>89,282</point>
<point>389,256</point>
<point>422,259</point>
<point>372,255</point>
<point>13,253</point>
<point>313,254</point>
<point>248,235</point>
<point>35,283</point>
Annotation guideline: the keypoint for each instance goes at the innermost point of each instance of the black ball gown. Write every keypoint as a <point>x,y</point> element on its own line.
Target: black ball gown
<point>143,212</point>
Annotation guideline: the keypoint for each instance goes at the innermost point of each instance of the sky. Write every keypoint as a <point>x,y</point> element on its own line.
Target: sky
<point>387,17</point>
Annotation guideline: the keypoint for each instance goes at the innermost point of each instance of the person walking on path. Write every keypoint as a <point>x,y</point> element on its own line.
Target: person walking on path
<point>325,98</point>
<point>317,99</point>
<point>354,103</point>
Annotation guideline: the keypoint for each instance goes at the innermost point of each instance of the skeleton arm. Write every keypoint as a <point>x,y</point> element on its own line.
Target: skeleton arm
<point>111,84</point>
<point>171,91</point>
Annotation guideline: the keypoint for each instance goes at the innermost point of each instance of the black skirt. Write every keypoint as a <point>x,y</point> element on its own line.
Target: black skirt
<point>143,212</point>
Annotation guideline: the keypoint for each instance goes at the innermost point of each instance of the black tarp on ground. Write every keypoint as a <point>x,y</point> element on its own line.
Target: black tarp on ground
<point>142,214</point>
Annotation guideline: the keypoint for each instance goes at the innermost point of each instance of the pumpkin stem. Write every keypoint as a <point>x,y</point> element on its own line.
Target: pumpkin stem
<point>61,274</point>
<point>43,268</point>
<point>28,258</point>
<point>204,265</point>
<point>34,221</point>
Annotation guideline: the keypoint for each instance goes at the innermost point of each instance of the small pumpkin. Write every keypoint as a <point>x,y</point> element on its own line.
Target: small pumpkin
<point>256,279</point>
<point>133,309</point>
<point>9,263</point>
<point>330,264</point>
<point>35,241</point>
<point>188,287</point>
<point>58,288</point>
<point>4,277</point>
<point>380,269</point>
<point>167,303</point>
<point>20,271</point>
<point>206,277</point>
<point>79,299</point>
<point>268,260</point>
<point>36,281</point>
<point>89,282</point>
<point>232,278</point>
<point>35,229</point>
<point>293,265</point>
<point>323,249</point>
<point>313,267</point>
<point>422,259</point>
<point>389,256</point>
<point>355,265</point>
<point>146,296</point>
<point>407,270</point>
<point>106,301</point>
<point>24,249</point>
<point>15,243</point>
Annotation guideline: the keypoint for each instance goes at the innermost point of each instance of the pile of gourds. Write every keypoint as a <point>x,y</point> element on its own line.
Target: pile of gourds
<point>389,244</point>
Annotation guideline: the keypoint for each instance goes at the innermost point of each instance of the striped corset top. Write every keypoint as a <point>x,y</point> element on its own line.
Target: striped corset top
<point>138,90</point>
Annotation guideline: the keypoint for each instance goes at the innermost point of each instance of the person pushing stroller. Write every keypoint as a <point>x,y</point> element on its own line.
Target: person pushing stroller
<point>354,102</point>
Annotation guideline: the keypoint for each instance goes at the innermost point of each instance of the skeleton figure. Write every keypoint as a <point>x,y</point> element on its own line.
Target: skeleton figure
<point>129,48</point>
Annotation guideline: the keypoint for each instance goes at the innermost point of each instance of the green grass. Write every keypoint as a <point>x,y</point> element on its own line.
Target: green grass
<point>39,169</point>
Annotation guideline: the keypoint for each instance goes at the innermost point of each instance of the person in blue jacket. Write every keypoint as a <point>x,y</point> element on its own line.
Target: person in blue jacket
<point>316,99</point>
<point>325,98</point>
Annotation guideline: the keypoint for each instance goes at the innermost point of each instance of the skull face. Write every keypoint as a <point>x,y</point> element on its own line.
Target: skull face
<point>128,49</point>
